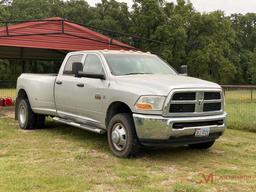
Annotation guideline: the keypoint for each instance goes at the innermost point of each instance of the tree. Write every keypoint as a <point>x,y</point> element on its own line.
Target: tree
<point>209,47</point>
<point>145,22</point>
<point>4,9</point>
<point>215,47</point>
<point>245,30</point>
<point>111,15</point>
<point>78,11</point>
<point>174,32</point>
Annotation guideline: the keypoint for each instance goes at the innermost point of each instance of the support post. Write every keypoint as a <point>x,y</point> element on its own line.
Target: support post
<point>251,94</point>
<point>62,26</point>
<point>6,29</point>
<point>22,61</point>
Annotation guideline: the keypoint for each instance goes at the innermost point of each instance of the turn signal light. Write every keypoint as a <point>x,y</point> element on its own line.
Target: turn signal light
<point>144,106</point>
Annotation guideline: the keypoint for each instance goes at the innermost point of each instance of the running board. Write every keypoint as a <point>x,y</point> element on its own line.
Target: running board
<point>82,126</point>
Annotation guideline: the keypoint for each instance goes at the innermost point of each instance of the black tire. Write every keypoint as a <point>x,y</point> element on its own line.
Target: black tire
<point>130,148</point>
<point>26,117</point>
<point>205,145</point>
<point>40,119</point>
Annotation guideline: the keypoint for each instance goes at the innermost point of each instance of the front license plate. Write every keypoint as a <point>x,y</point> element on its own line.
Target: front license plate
<point>202,132</point>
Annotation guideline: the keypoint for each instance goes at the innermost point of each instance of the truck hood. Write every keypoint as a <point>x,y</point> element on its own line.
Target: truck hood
<point>162,84</point>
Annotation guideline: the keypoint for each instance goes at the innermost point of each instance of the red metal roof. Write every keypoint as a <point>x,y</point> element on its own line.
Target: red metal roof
<point>58,34</point>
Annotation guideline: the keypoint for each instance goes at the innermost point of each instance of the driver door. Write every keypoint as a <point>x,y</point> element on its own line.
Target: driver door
<point>90,94</point>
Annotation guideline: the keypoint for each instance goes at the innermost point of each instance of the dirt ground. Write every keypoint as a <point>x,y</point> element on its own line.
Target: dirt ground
<point>7,112</point>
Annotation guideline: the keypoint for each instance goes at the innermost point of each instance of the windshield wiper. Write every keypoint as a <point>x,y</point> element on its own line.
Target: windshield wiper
<point>137,73</point>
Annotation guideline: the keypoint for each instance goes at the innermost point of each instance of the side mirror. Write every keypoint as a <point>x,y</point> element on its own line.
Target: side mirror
<point>91,75</point>
<point>184,70</point>
<point>76,67</point>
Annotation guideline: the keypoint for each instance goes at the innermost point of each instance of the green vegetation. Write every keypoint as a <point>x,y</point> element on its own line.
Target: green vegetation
<point>8,93</point>
<point>242,116</point>
<point>241,108</point>
<point>214,46</point>
<point>62,158</point>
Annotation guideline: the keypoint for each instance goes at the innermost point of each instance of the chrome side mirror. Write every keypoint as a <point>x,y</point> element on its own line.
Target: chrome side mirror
<point>76,67</point>
<point>184,70</point>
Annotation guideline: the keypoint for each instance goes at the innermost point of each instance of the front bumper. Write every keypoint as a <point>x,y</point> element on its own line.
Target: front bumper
<point>159,128</point>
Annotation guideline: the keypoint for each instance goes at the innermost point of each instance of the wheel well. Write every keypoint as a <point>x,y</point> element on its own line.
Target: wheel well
<point>22,94</point>
<point>115,108</point>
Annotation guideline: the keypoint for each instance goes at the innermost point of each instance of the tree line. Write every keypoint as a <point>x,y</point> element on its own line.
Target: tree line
<point>215,47</point>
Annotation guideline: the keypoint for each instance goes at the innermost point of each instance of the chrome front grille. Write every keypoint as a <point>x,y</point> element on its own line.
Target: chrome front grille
<point>182,108</point>
<point>212,107</point>
<point>212,95</point>
<point>184,96</point>
<point>194,102</point>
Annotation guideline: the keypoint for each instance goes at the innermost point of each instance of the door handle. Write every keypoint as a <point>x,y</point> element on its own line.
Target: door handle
<point>80,85</point>
<point>58,82</point>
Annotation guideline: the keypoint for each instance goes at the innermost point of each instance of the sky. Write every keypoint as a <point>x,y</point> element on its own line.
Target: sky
<point>229,6</point>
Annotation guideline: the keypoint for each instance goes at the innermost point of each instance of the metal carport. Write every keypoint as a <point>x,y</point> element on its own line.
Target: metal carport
<point>50,39</point>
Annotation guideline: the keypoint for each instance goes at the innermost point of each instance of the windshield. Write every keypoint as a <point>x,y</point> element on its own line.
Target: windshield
<point>132,64</point>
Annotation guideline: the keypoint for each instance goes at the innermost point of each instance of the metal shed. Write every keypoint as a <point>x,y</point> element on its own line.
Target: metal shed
<point>50,38</point>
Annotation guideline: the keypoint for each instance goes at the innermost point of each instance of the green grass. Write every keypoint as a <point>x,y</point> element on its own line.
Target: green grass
<point>241,109</point>
<point>242,116</point>
<point>240,96</point>
<point>62,159</point>
<point>8,93</point>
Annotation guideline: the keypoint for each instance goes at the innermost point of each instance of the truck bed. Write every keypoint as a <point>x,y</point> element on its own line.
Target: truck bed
<point>40,90</point>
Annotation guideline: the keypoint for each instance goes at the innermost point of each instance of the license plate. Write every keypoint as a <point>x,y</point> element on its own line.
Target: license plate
<point>202,132</point>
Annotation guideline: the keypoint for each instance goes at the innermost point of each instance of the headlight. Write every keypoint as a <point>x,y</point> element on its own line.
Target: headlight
<point>154,103</point>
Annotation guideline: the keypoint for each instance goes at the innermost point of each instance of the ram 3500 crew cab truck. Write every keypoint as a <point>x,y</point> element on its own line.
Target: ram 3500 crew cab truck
<point>137,98</point>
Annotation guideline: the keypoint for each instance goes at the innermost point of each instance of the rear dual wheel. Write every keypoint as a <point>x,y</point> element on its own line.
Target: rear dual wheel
<point>26,117</point>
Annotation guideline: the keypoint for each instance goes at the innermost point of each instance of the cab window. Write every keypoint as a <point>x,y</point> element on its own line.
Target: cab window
<point>68,66</point>
<point>93,64</point>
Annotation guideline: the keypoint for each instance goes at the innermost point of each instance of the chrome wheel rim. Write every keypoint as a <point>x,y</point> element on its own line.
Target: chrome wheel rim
<point>118,137</point>
<point>22,114</point>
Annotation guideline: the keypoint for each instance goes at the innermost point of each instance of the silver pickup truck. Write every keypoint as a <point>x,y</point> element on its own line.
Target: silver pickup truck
<point>136,97</point>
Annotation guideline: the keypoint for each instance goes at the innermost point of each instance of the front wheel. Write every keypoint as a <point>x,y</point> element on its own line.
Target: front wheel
<point>122,137</point>
<point>205,145</point>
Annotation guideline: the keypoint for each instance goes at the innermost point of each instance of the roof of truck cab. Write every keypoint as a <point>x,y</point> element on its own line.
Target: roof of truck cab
<point>56,34</point>
<point>106,51</point>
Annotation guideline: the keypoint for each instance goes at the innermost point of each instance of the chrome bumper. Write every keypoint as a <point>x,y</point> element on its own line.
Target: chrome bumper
<point>160,128</point>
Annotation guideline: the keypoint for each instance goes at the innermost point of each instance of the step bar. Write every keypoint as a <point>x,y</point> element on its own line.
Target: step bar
<point>81,126</point>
